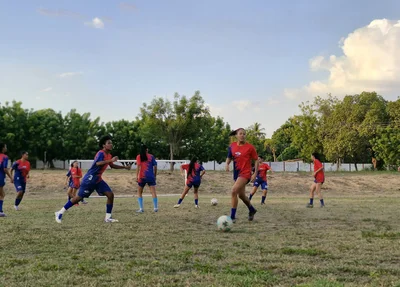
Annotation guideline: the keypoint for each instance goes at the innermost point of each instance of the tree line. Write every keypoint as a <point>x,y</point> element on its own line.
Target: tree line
<point>353,129</point>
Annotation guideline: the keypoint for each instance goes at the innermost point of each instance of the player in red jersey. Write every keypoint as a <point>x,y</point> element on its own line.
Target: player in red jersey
<point>242,154</point>
<point>195,172</point>
<point>146,173</point>
<point>261,179</point>
<point>73,180</point>
<point>319,178</point>
<point>3,172</point>
<point>21,168</point>
<point>93,180</point>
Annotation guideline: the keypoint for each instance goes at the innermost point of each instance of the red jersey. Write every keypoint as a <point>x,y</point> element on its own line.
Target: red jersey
<point>262,171</point>
<point>22,169</point>
<point>76,172</point>
<point>320,176</point>
<point>146,167</point>
<point>242,156</point>
<point>195,176</point>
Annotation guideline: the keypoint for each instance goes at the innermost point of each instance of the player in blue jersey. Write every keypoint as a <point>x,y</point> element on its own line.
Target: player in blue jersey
<point>3,172</point>
<point>195,172</point>
<point>93,180</point>
<point>21,168</point>
<point>146,173</point>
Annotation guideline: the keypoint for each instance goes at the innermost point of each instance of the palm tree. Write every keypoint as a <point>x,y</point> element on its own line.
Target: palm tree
<point>258,130</point>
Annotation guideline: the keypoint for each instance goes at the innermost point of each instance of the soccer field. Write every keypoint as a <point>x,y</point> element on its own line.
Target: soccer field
<point>354,241</point>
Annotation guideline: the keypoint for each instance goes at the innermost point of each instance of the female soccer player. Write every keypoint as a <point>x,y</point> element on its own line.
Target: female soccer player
<point>93,180</point>
<point>73,180</point>
<point>3,172</point>
<point>319,178</point>
<point>21,168</point>
<point>242,154</point>
<point>195,172</point>
<point>261,179</point>
<point>146,173</point>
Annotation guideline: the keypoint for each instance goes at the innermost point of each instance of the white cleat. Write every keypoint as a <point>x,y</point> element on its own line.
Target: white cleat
<point>196,206</point>
<point>155,209</point>
<point>58,216</point>
<point>110,220</point>
<point>2,214</point>
<point>139,211</point>
<point>177,205</point>
<point>16,208</point>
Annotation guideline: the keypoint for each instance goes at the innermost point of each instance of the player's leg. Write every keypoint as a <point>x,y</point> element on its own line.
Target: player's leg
<point>255,187</point>
<point>242,195</point>
<point>152,187</point>
<point>318,190</point>
<point>84,191</point>
<point>140,196</point>
<point>70,193</point>
<point>20,188</point>
<point>102,188</point>
<point>196,195</point>
<point>184,193</point>
<point>312,190</point>
<point>264,187</point>
<point>2,194</point>
<point>73,193</point>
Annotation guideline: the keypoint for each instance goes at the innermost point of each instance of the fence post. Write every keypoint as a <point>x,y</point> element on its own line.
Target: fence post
<point>298,166</point>
<point>284,166</point>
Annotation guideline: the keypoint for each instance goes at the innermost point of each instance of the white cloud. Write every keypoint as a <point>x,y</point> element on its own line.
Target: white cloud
<point>96,23</point>
<point>69,74</point>
<point>45,90</point>
<point>370,62</point>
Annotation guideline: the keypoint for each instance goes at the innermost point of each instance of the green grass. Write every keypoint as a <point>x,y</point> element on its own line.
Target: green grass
<point>354,241</point>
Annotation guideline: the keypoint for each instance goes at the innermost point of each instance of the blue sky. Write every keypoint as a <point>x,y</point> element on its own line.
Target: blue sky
<point>253,61</point>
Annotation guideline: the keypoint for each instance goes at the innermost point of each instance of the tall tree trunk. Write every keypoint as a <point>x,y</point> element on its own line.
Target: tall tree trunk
<point>171,157</point>
<point>355,165</point>
<point>337,164</point>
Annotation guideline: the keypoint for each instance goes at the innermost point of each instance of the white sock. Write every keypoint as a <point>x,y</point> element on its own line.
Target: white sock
<point>62,210</point>
<point>108,215</point>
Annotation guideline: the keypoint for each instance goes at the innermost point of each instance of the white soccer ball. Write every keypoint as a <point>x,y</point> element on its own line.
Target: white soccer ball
<point>224,223</point>
<point>214,201</point>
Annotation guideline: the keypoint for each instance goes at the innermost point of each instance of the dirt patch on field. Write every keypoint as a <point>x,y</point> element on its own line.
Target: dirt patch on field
<point>122,182</point>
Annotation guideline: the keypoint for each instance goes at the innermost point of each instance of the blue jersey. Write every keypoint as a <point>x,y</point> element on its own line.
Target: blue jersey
<point>70,177</point>
<point>3,164</point>
<point>95,171</point>
<point>146,167</point>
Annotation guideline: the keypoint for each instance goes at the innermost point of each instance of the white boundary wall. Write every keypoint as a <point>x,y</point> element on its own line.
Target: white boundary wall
<point>212,165</point>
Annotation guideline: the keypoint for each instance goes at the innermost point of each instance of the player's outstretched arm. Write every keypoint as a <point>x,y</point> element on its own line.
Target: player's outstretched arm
<point>253,177</point>
<point>228,161</point>
<point>110,161</point>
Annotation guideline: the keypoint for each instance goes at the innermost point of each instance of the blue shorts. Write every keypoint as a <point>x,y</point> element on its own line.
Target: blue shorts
<point>72,185</point>
<point>321,182</point>
<point>20,186</point>
<point>148,181</point>
<point>264,184</point>
<point>194,184</point>
<point>86,189</point>
<point>2,180</point>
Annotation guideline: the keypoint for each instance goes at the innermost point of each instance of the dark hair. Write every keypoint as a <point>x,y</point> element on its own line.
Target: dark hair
<point>261,156</point>
<point>191,165</point>
<point>72,164</point>
<point>233,133</point>
<point>143,152</point>
<point>2,145</point>
<point>103,140</point>
<point>23,152</point>
<point>316,155</point>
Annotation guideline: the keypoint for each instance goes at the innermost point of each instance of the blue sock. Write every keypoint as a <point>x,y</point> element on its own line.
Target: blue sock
<point>155,203</point>
<point>196,202</point>
<point>68,205</point>
<point>180,200</point>
<point>233,213</point>
<point>109,208</point>
<point>251,208</point>
<point>263,199</point>
<point>322,202</point>
<point>17,201</point>
<point>311,201</point>
<point>1,205</point>
<point>140,201</point>
<point>250,196</point>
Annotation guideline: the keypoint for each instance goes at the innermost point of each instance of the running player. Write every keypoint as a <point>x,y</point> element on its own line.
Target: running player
<point>319,178</point>
<point>73,180</point>
<point>261,179</point>
<point>195,172</point>
<point>146,173</point>
<point>21,168</point>
<point>93,180</point>
<point>3,172</point>
<point>242,154</point>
